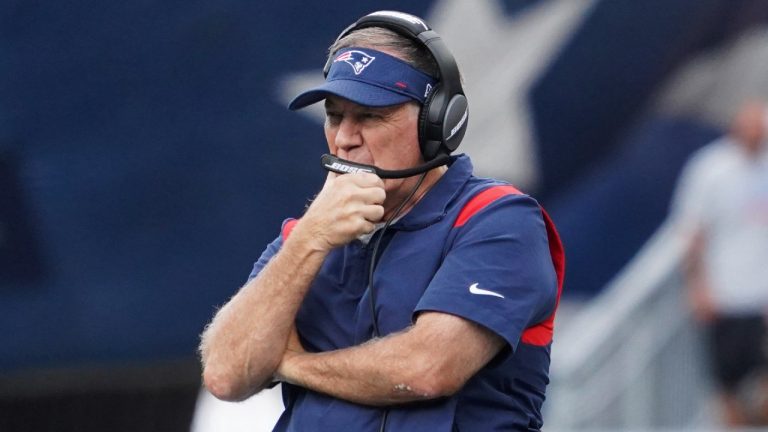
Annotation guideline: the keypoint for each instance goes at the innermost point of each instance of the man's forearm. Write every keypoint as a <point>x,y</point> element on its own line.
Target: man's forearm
<point>375,373</point>
<point>432,359</point>
<point>243,345</point>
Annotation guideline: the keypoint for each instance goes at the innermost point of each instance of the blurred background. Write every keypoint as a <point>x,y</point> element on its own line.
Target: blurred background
<point>147,157</point>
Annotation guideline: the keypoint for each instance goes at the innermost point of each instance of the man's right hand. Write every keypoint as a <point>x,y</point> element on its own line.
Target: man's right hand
<point>347,207</point>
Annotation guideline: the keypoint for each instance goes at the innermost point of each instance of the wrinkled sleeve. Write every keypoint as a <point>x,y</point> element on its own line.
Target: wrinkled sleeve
<point>497,271</point>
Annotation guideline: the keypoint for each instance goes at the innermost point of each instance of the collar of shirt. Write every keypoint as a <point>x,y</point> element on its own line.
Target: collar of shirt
<point>432,207</point>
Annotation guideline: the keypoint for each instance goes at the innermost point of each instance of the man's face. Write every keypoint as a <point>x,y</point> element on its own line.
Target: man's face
<point>385,137</point>
<point>749,127</point>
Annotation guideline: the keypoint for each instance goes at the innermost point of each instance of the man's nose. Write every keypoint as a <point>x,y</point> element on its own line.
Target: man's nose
<point>349,134</point>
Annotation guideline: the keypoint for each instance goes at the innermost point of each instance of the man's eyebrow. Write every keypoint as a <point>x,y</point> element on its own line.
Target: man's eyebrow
<point>389,109</point>
<point>384,111</point>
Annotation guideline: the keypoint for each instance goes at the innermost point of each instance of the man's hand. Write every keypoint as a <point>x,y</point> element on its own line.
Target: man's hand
<point>348,206</point>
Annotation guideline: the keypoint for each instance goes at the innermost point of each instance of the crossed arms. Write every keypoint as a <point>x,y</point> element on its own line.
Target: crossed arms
<point>252,339</point>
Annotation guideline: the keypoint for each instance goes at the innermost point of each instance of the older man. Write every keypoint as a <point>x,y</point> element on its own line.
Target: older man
<point>423,300</point>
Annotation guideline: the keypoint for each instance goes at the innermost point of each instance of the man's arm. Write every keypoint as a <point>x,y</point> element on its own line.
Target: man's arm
<point>433,358</point>
<point>697,284</point>
<point>244,343</point>
<point>238,347</point>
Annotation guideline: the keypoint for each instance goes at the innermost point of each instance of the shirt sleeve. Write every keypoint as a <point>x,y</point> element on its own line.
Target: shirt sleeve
<point>270,251</point>
<point>498,271</point>
<point>689,210</point>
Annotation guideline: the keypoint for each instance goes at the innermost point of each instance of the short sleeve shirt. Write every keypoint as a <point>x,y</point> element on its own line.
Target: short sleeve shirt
<point>471,248</point>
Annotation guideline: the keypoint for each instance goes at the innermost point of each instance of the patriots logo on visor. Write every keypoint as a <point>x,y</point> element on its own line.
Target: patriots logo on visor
<point>357,59</point>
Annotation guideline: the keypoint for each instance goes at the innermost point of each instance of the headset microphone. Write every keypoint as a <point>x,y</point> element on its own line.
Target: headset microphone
<point>343,166</point>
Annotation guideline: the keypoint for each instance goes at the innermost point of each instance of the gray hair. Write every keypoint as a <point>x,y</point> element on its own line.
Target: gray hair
<point>407,50</point>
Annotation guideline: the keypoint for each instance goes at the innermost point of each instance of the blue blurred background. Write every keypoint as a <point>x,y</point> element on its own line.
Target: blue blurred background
<point>146,154</point>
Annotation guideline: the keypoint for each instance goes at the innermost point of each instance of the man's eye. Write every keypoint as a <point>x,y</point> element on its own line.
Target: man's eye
<point>333,118</point>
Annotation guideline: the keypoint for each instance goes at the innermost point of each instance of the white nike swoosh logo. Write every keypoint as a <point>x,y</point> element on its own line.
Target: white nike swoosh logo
<point>475,290</point>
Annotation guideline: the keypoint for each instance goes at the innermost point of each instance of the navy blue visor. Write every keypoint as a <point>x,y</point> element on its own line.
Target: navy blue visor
<point>370,78</point>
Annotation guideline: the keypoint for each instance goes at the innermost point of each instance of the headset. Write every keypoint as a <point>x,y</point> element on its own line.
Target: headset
<point>443,117</point>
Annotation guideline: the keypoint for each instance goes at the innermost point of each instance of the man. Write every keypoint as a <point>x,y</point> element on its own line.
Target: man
<point>410,303</point>
<point>721,206</point>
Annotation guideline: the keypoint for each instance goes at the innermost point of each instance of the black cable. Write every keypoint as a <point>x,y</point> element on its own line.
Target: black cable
<point>372,267</point>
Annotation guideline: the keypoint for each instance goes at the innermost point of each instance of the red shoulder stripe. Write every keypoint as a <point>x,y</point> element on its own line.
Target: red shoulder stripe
<point>541,334</point>
<point>288,227</point>
<point>479,201</point>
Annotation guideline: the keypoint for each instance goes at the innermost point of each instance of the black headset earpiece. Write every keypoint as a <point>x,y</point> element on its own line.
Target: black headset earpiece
<point>443,117</point>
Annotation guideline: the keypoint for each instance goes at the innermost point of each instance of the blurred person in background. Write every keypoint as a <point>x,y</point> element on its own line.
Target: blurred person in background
<point>721,204</point>
<point>416,302</point>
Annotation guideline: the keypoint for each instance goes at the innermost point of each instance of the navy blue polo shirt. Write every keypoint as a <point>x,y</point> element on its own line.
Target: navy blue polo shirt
<point>472,247</point>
